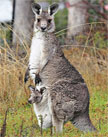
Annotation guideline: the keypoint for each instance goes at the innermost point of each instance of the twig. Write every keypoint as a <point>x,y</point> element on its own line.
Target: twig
<point>57,33</point>
<point>21,128</point>
<point>3,129</point>
<point>99,124</point>
<point>86,43</point>
<point>41,119</point>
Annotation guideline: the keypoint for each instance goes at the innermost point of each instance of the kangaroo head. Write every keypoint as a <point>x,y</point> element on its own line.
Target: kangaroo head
<point>44,20</point>
<point>35,96</point>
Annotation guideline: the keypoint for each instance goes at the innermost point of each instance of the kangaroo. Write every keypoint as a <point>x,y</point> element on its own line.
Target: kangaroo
<point>66,95</point>
<point>39,99</point>
<point>36,95</point>
<point>44,23</point>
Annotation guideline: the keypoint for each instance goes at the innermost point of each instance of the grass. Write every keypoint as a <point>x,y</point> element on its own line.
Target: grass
<point>21,120</point>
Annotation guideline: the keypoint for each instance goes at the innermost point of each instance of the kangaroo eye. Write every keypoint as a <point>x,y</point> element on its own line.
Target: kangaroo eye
<point>49,20</point>
<point>38,20</point>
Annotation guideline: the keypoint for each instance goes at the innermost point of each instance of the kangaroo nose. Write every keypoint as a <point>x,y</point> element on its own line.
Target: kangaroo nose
<point>43,28</point>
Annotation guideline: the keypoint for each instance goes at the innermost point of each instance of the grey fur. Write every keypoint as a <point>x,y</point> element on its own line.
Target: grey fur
<point>67,91</point>
<point>36,96</point>
<point>68,96</point>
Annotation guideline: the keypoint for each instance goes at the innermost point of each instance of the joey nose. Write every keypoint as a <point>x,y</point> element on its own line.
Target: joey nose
<point>43,28</point>
<point>29,101</point>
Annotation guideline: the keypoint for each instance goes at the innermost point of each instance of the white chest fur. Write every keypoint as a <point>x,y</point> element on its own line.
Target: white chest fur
<point>37,58</point>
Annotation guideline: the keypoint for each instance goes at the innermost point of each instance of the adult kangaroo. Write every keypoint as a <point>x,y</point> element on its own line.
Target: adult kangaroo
<point>66,94</point>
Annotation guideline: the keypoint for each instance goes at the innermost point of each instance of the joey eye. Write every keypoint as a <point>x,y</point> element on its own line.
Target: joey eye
<point>38,20</point>
<point>49,20</point>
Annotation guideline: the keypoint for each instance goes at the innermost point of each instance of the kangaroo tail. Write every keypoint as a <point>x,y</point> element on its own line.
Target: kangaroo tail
<point>83,123</point>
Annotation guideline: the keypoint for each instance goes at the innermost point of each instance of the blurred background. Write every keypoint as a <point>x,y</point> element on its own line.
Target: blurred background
<point>73,20</point>
<point>82,31</point>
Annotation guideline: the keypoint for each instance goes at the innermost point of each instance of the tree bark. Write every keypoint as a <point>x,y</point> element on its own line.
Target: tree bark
<point>23,22</point>
<point>76,17</point>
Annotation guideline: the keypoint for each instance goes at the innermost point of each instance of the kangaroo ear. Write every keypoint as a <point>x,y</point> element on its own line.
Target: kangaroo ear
<point>32,88</point>
<point>36,8</point>
<point>53,9</point>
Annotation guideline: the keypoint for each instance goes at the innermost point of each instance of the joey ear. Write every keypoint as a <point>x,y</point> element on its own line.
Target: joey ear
<point>36,8</point>
<point>53,9</point>
<point>32,88</point>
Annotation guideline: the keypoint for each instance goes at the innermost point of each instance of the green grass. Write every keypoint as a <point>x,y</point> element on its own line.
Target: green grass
<point>23,118</point>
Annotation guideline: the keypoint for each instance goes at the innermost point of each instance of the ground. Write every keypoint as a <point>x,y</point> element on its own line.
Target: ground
<point>21,120</point>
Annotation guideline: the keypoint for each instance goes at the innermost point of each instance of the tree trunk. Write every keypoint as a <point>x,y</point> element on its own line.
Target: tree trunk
<point>76,17</point>
<point>23,22</point>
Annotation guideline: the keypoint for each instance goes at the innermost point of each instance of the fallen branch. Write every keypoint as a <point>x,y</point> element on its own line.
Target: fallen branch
<point>3,129</point>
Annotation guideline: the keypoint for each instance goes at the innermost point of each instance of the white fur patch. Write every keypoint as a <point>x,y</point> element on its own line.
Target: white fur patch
<point>42,110</point>
<point>35,59</point>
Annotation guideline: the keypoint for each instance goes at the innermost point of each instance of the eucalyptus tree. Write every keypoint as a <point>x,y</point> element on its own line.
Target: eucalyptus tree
<point>77,15</point>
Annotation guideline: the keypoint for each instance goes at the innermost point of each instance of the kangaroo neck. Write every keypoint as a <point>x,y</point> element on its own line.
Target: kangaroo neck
<point>42,35</point>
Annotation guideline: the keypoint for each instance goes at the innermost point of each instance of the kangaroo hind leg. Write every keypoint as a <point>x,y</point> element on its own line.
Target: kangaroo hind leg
<point>58,124</point>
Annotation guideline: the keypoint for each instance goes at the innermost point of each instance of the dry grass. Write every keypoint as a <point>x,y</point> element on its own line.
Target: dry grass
<point>12,70</point>
<point>91,63</point>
